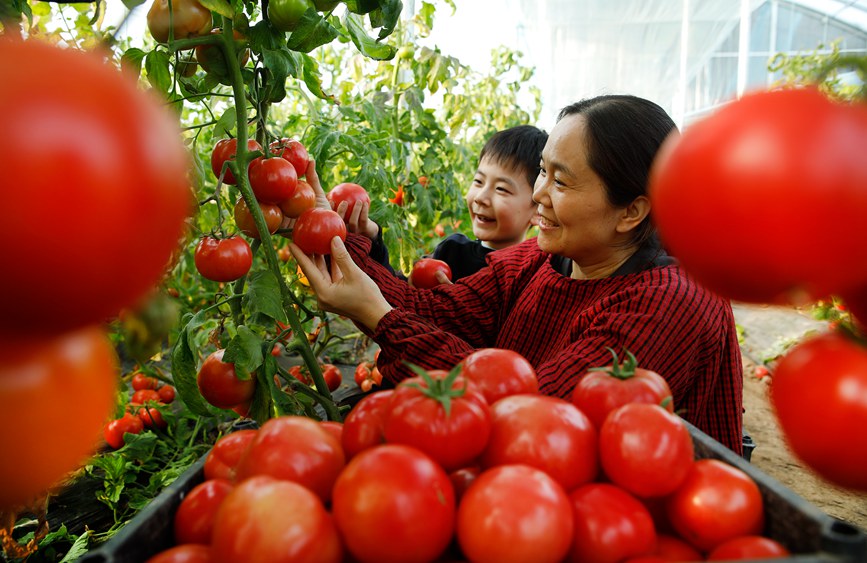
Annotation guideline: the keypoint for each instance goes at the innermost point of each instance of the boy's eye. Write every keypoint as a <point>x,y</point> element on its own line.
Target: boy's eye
<point>503,189</point>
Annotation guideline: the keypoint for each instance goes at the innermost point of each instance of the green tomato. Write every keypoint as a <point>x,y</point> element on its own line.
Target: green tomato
<point>361,6</point>
<point>285,14</point>
<point>326,5</point>
<point>406,52</point>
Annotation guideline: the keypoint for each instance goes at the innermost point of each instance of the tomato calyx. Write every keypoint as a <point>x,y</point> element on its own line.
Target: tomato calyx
<point>623,371</point>
<point>440,389</point>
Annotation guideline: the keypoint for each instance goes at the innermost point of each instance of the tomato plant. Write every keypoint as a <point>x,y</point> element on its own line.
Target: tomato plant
<point>533,522</point>
<point>142,396</point>
<point>39,382</point>
<point>363,426</point>
<point>223,260</point>
<point>825,376</point>
<point>166,394</point>
<point>610,525</point>
<point>219,384</point>
<point>115,429</point>
<point>315,228</point>
<point>273,179</point>
<point>302,199</point>
<point>424,272</point>
<point>185,18</point>
<point>544,432</point>
<point>717,502</point>
<point>246,223</point>
<point>601,390</point>
<point>224,150</point>
<point>294,448</point>
<point>408,497</point>
<point>222,461</point>
<point>293,151</point>
<point>499,373</point>
<point>213,61</point>
<point>152,418</point>
<point>194,518</point>
<point>105,134</point>
<point>781,173</point>
<point>645,449</point>
<point>266,519</point>
<point>349,193</point>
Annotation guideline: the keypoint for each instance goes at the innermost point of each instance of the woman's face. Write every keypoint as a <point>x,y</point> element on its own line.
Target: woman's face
<point>577,221</point>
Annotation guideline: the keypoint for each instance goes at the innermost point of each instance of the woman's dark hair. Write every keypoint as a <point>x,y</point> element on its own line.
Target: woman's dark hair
<point>519,148</point>
<point>623,136</point>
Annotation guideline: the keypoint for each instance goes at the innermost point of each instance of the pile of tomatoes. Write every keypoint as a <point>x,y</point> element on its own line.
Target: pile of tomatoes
<point>145,410</point>
<point>118,182</point>
<point>760,203</point>
<point>472,464</point>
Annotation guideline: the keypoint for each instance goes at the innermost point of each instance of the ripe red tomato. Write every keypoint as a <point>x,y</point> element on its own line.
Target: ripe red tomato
<point>39,383</point>
<point>301,374</point>
<point>152,418</point>
<point>273,180</point>
<point>717,502</point>
<point>105,157</point>
<point>334,428</point>
<point>141,381</point>
<point>293,151</point>
<point>222,461</point>
<point>247,225</point>
<point>825,376</point>
<point>333,377</point>
<point>348,192</point>
<point>610,525</point>
<point>315,228</point>
<point>294,448</point>
<point>532,517</point>
<point>393,503</point>
<point>671,548</point>
<point>224,150</point>
<point>362,372</point>
<point>645,449</point>
<point>601,390</point>
<point>453,437</point>
<point>115,429</point>
<point>265,519</point>
<point>499,373</point>
<point>223,260</point>
<point>166,393</point>
<point>194,519</point>
<point>424,271</point>
<point>188,19</point>
<point>301,200</point>
<point>781,173</point>
<point>748,547</point>
<point>188,553</point>
<point>362,427</point>
<point>546,433</point>
<point>219,384</point>
<point>144,395</point>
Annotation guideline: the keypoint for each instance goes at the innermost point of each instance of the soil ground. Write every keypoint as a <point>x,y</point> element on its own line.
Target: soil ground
<point>766,331</point>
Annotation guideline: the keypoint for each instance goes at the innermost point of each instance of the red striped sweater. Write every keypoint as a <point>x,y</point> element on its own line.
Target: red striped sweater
<point>563,325</point>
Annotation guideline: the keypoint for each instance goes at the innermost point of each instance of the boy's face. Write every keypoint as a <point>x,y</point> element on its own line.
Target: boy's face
<point>501,204</point>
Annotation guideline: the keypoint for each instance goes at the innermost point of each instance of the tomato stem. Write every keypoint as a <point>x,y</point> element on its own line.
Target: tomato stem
<point>625,370</point>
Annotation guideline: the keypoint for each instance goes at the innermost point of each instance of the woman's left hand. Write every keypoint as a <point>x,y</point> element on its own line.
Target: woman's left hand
<point>344,289</point>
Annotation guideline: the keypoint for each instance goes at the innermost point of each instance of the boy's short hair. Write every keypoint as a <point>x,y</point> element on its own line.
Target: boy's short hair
<point>519,148</point>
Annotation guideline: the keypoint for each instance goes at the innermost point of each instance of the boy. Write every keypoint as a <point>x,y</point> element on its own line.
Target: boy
<point>500,202</point>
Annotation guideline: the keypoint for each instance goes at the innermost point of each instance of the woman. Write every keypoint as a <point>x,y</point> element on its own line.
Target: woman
<point>595,277</point>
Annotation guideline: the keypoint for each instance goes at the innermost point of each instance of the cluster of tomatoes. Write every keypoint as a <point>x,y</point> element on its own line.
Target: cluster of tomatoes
<point>148,394</point>
<point>759,202</point>
<point>123,190</point>
<point>417,472</point>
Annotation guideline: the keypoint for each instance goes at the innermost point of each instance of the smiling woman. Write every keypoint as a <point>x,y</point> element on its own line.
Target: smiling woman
<point>596,277</point>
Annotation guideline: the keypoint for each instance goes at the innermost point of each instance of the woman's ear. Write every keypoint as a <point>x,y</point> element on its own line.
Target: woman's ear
<point>633,214</point>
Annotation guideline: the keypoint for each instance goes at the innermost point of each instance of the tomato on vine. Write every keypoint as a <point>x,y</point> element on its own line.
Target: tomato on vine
<point>273,180</point>
<point>141,381</point>
<point>349,193</point>
<point>188,19</point>
<point>315,228</point>
<point>114,430</point>
<point>247,225</point>
<point>223,260</point>
<point>293,151</point>
<point>301,200</point>
<point>285,15</point>
<point>219,384</point>
<point>226,149</point>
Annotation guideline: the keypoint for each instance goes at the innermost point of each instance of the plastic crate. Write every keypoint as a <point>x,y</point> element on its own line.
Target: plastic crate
<point>810,534</point>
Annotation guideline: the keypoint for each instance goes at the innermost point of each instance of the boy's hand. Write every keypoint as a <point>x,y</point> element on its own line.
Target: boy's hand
<point>442,278</point>
<point>358,220</point>
<point>313,179</point>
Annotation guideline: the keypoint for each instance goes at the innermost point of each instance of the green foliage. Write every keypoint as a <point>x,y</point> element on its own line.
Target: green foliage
<point>822,66</point>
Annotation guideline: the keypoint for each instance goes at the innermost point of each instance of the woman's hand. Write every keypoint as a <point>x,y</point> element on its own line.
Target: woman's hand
<point>357,221</point>
<point>344,289</point>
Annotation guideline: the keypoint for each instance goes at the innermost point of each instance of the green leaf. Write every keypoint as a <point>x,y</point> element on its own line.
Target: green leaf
<point>260,408</point>
<point>226,124</point>
<point>279,64</point>
<point>222,7</point>
<point>245,351</point>
<point>130,4</point>
<point>386,17</point>
<point>263,296</point>
<point>367,46</point>
<point>131,60</point>
<point>184,368</point>
<point>157,67</point>
<point>362,6</point>
<point>313,31</point>
<point>312,78</point>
